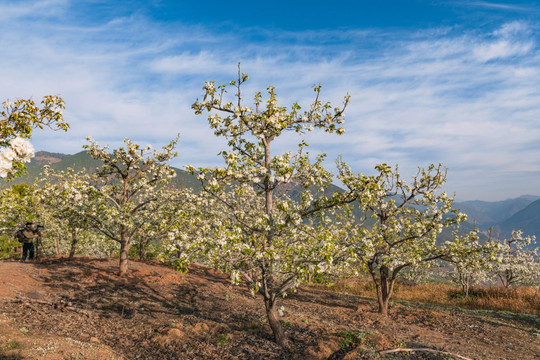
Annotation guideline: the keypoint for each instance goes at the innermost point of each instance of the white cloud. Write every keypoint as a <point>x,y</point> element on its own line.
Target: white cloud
<point>512,29</point>
<point>468,100</point>
<point>500,50</point>
<point>14,10</point>
<point>512,39</point>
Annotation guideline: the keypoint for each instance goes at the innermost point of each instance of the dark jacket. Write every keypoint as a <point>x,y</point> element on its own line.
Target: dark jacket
<point>26,235</point>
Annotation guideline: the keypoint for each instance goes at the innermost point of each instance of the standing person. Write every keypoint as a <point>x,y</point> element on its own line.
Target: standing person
<point>27,236</point>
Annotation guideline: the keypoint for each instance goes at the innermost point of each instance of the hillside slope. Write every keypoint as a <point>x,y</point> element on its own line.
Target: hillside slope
<point>487,213</point>
<point>528,220</point>
<point>77,162</point>
<point>157,313</point>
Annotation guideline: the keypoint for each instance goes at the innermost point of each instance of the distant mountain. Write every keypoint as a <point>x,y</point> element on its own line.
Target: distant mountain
<point>57,161</point>
<point>78,161</point>
<point>527,220</point>
<point>487,214</point>
<point>44,157</point>
<point>507,215</point>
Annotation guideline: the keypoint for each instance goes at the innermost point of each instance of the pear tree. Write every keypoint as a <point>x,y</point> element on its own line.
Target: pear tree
<point>260,204</point>
<point>123,191</point>
<point>179,218</point>
<point>17,121</point>
<point>17,205</point>
<point>471,259</point>
<point>517,261</point>
<point>63,196</point>
<point>190,222</point>
<point>401,223</point>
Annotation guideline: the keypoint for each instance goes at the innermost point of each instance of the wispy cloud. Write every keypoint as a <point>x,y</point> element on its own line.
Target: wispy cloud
<point>13,10</point>
<point>469,99</point>
<point>500,6</point>
<point>509,41</point>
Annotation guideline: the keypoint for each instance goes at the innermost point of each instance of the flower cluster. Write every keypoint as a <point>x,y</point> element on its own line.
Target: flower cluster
<point>17,120</point>
<point>19,150</point>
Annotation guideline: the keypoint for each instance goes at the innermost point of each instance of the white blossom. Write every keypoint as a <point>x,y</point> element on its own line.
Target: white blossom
<point>19,150</point>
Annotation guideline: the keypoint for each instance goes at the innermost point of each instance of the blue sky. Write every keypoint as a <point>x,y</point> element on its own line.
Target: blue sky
<point>455,82</point>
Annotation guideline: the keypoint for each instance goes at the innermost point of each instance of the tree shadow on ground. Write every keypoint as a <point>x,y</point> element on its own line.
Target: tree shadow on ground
<point>331,299</point>
<point>5,356</point>
<point>129,312</point>
<point>95,284</point>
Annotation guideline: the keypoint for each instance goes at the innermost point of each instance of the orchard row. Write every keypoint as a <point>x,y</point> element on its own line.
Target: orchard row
<point>269,220</point>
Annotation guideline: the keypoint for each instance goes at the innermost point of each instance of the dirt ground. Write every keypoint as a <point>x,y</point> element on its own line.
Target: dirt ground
<point>59,309</point>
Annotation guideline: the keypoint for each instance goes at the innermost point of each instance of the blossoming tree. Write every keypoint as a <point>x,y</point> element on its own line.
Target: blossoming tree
<point>517,261</point>
<point>64,196</point>
<point>189,218</point>
<point>472,259</point>
<point>124,189</point>
<point>259,232</point>
<point>178,218</point>
<point>406,220</point>
<point>17,120</point>
<point>17,205</point>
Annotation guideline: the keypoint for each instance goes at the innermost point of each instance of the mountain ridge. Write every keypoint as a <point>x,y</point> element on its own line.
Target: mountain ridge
<point>489,213</point>
<point>79,161</point>
<point>527,220</point>
<point>504,216</point>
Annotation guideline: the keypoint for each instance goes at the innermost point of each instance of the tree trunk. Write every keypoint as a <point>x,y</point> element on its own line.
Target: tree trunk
<point>465,288</point>
<point>465,284</point>
<point>125,240</point>
<point>273,320</point>
<point>141,251</point>
<point>269,300</point>
<point>124,248</point>
<point>506,278</point>
<point>142,248</point>
<point>37,248</point>
<point>56,246</point>
<point>382,299</point>
<point>384,285</point>
<point>74,240</point>
<point>509,278</point>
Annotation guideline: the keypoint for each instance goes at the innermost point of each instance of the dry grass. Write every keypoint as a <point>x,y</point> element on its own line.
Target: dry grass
<point>519,300</point>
